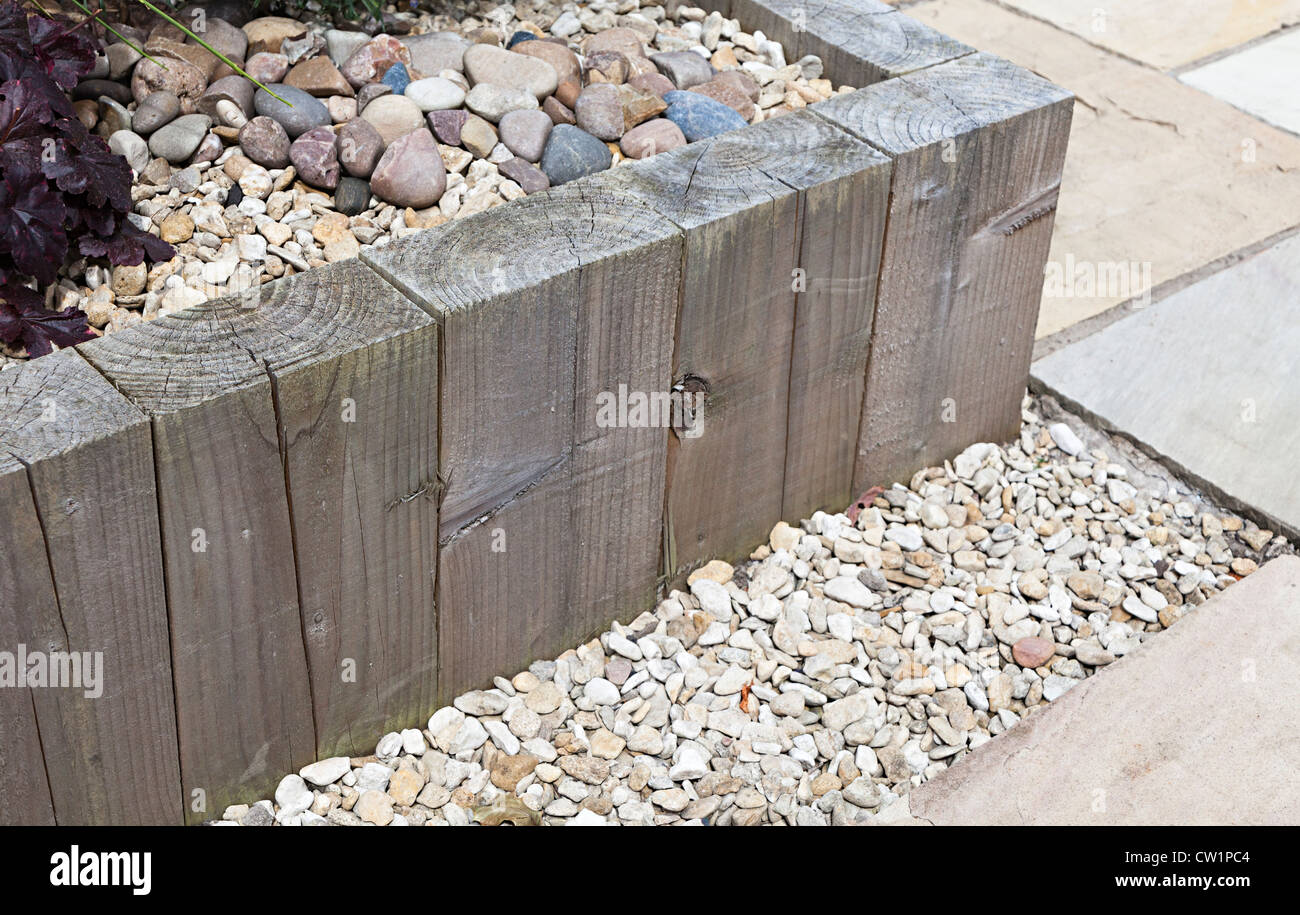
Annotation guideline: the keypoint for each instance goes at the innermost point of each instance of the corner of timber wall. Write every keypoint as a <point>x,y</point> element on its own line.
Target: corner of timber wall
<point>295,519</point>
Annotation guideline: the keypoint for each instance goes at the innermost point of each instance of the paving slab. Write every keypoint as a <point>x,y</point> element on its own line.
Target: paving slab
<point>1165,33</point>
<point>1263,80</point>
<point>1196,727</point>
<point>1160,178</point>
<point>1208,377</point>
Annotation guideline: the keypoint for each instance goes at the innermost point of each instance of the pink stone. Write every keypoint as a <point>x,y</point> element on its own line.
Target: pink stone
<point>410,173</point>
<point>1032,651</point>
<point>656,136</point>
<point>315,156</point>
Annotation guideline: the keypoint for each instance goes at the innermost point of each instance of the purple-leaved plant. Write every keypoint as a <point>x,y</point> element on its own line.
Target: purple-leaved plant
<point>60,185</point>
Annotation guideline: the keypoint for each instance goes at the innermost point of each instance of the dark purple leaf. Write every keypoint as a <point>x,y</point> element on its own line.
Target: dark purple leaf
<point>23,318</point>
<point>67,53</point>
<point>128,246</point>
<point>31,224</point>
<point>24,112</point>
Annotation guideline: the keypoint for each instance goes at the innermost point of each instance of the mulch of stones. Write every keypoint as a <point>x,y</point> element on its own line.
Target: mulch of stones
<point>851,659</point>
<point>440,117</point>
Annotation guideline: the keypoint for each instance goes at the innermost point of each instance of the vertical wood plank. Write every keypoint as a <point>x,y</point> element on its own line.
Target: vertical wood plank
<point>844,186</point>
<point>544,306</point>
<point>111,756</point>
<point>978,145</point>
<point>360,436</point>
<point>733,338</point>
<point>26,591</point>
<point>754,204</point>
<point>208,379</point>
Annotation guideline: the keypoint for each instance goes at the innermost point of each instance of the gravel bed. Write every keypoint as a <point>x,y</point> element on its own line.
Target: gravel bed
<point>853,657</point>
<point>449,115</point>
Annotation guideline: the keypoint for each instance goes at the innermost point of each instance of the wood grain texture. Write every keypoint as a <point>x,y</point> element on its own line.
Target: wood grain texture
<point>743,200</point>
<point>860,42</point>
<point>733,335</point>
<point>360,436</point>
<point>26,589</point>
<point>88,526</point>
<point>978,146</point>
<point>544,306</point>
<point>210,380</point>
<point>844,188</point>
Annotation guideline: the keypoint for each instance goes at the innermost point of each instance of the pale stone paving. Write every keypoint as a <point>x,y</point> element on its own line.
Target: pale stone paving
<point>849,661</point>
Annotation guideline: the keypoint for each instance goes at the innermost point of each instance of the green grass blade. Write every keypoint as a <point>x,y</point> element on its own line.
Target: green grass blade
<point>221,57</point>
<point>126,41</point>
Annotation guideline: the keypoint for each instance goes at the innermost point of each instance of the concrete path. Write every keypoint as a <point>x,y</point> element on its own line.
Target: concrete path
<point>1209,378</point>
<point>1263,80</point>
<point>1161,179</point>
<point>1197,727</point>
<point>1165,33</point>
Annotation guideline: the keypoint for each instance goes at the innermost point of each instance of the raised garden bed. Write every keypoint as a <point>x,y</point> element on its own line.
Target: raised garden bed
<point>324,507</point>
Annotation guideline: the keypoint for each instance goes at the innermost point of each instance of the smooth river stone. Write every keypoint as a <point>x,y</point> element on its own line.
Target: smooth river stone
<point>267,33</point>
<point>446,125</point>
<point>525,133</point>
<point>267,68</point>
<point>411,172</point>
<point>494,102</point>
<point>623,40</point>
<point>177,141</point>
<point>351,196</point>
<point>572,153</point>
<point>131,147</point>
<point>651,138</point>
<point>94,88</point>
<point>435,94</point>
<point>729,95</point>
<point>1032,651</point>
<point>393,116</point>
<point>265,142</point>
<point>360,147</point>
<point>700,116</point>
<point>158,108</point>
<point>315,156</point>
<point>436,52</point>
<point>558,112</point>
<point>306,112</point>
<point>478,136</point>
<point>224,38</point>
<point>528,176</point>
<point>233,89</point>
<point>600,112</point>
<point>742,81</point>
<point>563,61</point>
<point>684,68</point>
<point>489,64</point>
<point>656,83</point>
<point>319,77</point>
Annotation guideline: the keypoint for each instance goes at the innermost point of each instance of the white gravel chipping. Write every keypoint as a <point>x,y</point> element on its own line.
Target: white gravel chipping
<point>847,662</point>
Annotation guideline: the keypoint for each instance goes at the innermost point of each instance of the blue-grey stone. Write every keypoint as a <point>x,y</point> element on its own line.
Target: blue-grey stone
<point>396,78</point>
<point>301,114</point>
<point>699,116</point>
<point>573,153</point>
<point>520,36</point>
